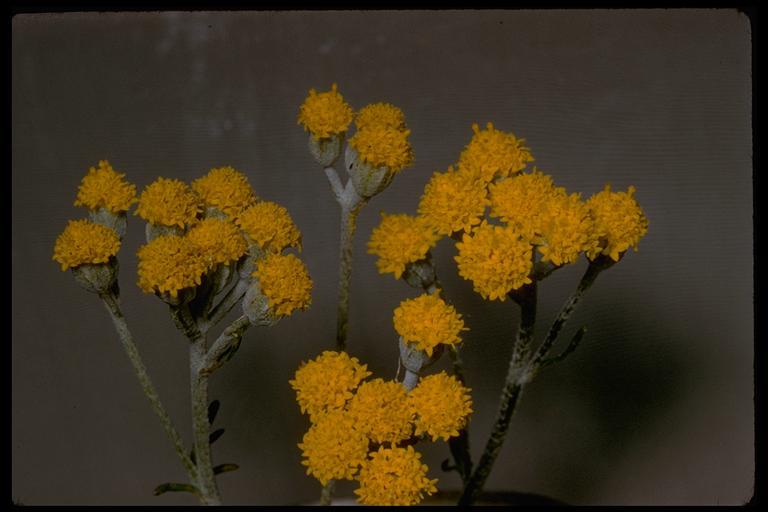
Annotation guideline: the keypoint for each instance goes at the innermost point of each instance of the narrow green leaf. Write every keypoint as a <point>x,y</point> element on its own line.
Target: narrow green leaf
<point>215,435</point>
<point>223,468</point>
<point>174,487</point>
<point>213,410</point>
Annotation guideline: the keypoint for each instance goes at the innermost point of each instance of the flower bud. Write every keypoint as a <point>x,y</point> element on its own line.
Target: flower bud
<point>327,150</point>
<point>420,274</point>
<point>367,180</point>
<point>256,306</point>
<point>96,278</point>
<point>115,221</point>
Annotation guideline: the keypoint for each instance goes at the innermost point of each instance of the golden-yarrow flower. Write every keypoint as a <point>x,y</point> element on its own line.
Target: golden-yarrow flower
<point>168,202</point>
<point>380,410</point>
<point>400,239</point>
<point>105,188</point>
<point>226,189</point>
<point>269,226</point>
<point>492,154</point>
<point>619,222</point>
<point>169,264</point>
<point>521,201</point>
<point>394,476</point>
<point>285,282</point>
<point>496,259</point>
<point>428,321</point>
<point>380,114</point>
<point>441,405</point>
<point>85,242</point>
<point>326,383</point>
<point>218,240</point>
<point>383,146</point>
<point>332,448</point>
<point>325,114</point>
<point>453,201</point>
<point>567,230</point>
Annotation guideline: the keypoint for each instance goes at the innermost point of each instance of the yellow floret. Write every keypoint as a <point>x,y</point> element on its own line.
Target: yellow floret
<point>380,114</point>
<point>285,282</point>
<point>168,202</point>
<point>394,476</point>
<point>326,383</point>
<point>521,201</point>
<point>400,239</point>
<point>84,242</point>
<point>332,448</point>
<point>619,222</point>
<point>567,230</point>
<point>218,240</point>
<point>496,259</point>
<point>105,188</point>
<point>380,410</point>
<point>383,146</point>
<point>169,264</point>
<point>441,405</point>
<point>226,189</point>
<point>428,321</point>
<point>325,114</point>
<point>453,201</point>
<point>269,226</point>
<point>493,154</point>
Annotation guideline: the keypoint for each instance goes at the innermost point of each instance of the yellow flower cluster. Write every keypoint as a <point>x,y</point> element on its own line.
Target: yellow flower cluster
<point>325,114</point>
<point>381,145</point>
<point>285,282</point>
<point>169,264</point>
<point>441,405</point>
<point>269,226</point>
<point>382,114</point>
<point>453,201</point>
<point>567,230</point>
<point>399,240</point>
<point>380,410</point>
<point>394,476</point>
<point>521,201</point>
<point>225,189</point>
<point>218,241</point>
<point>493,154</point>
<point>427,321</point>
<point>105,188</point>
<point>84,242</point>
<point>619,222</point>
<point>168,202</point>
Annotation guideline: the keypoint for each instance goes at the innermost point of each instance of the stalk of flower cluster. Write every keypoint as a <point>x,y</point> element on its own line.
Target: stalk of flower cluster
<point>326,495</point>
<point>112,303</point>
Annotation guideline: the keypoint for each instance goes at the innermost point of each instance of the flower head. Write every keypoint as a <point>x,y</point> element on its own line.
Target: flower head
<point>327,382</point>
<point>169,264</point>
<point>441,405</point>
<point>400,239</point>
<point>325,114</point>
<point>521,201</point>
<point>380,145</point>
<point>105,188</point>
<point>428,321</point>
<point>226,189</point>
<point>453,201</point>
<point>394,476</point>
<point>218,240</point>
<point>619,222</point>
<point>85,242</point>
<point>496,259</point>
<point>285,282</point>
<point>167,202</point>
<point>332,448</point>
<point>382,114</point>
<point>380,410</point>
<point>492,153</point>
<point>567,229</point>
<point>269,226</point>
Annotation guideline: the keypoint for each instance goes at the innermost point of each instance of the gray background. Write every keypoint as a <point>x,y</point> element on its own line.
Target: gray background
<point>654,408</point>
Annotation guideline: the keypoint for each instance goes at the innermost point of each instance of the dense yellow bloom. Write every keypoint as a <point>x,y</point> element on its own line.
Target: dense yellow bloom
<point>226,189</point>
<point>453,201</point>
<point>394,476</point>
<point>167,202</point>
<point>82,242</point>
<point>521,201</point>
<point>380,114</point>
<point>496,259</point>
<point>285,282</point>
<point>325,114</point>
<point>383,146</point>
<point>332,448</point>
<point>427,321</point>
<point>326,383</point>
<point>105,188</point>
<point>619,221</point>
<point>567,230</point>
<point>269,226</point>
<point>169,264</point>
<point>218,240</point>
<point>441,405</point>
<point>492,154</point>
<point>400,239</point>
<point>380,410</point>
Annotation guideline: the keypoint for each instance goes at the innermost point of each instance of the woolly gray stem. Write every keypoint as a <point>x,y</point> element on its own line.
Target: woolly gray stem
<point>326,495</point>
<point>410,380</point>
<point>206,480</point>
<point>335,182</point>
<point>231,335</point>
<point>350,204</point>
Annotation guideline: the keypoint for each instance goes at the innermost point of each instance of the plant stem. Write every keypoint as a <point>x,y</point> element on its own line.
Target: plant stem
<point>326,495</point>
<point>206,480</point>
<point>349,212</point>
<point>459,445</point>
<point>231,298</point>
<point>231,336</point>
<point>112,303</point>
